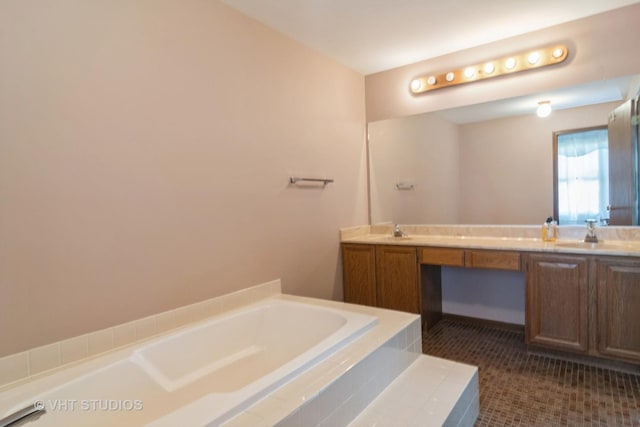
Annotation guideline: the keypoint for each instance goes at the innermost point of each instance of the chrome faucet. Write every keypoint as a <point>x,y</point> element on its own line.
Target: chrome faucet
<point>24,415</point>
<point>591,232</point>
<point>397,232</point>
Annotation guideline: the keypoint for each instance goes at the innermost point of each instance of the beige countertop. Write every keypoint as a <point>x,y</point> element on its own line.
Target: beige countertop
<point>613,241</point>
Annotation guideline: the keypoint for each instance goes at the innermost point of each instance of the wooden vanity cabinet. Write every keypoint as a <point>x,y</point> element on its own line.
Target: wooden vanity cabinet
<point>618,307</point>
<point>557,302</point>
<point>585,304</point>
<point>397,278</point>
<point>494,260</point>
<point>359,274</point>
<point>456,257</point>
<point>451,257</point>
<point>383,276</point>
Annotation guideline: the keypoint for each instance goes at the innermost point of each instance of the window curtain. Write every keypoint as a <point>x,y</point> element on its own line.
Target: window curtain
<point>583,176</point>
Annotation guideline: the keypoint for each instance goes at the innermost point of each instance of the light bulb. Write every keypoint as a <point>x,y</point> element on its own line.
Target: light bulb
<point>558,52</point>
<point>431,80</point>
<point>489,67</point>
<point>416,85</point>
<point>450,76</point>
<point>510,63</point>
<point>544,109</point>
<point>469,72</point>
<point>533,58</point>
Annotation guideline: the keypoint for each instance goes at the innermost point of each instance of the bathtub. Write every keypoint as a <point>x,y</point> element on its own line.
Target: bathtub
<point>200,375</point>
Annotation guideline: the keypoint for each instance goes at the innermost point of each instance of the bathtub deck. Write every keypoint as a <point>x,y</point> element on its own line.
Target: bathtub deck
<point>369,377</point>
<point>431,392</point>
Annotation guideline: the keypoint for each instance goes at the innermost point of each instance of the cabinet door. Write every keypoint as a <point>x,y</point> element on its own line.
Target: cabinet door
<point>557,302</point>
<point>359,274</point>
<point>397,276</point>
<point>618,283</point>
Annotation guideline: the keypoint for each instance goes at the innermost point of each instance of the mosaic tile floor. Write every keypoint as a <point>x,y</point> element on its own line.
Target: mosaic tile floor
<point>520,389</point>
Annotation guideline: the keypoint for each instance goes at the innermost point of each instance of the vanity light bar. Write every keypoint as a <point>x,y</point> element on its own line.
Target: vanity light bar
<point>535,58</point>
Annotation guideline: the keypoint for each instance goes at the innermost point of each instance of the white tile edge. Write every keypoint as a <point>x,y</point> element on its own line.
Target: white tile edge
<point>190,313</point>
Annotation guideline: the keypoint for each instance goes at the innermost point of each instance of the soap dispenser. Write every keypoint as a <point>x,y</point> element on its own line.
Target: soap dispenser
<point>549,230</point>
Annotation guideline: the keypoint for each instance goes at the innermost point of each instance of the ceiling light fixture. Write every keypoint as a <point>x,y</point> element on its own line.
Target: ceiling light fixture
<point>489,68</point>
<point>544,109</point>
<point>495,67</point>
<point>469,72</point>
<point>510,63</point>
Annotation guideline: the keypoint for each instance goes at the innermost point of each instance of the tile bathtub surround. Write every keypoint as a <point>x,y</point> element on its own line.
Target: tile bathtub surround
<point>521,389</point>
<point>18,367</point>
<point>339,402</point>
<point>432,392</point>
<point>336,390</point>
<point>330,393</point>
<point>14,367</point>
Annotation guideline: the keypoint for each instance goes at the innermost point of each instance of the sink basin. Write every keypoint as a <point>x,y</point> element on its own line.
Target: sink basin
<point>604,245</point>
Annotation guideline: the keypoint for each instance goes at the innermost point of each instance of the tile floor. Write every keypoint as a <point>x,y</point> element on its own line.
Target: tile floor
<point>520,389</point>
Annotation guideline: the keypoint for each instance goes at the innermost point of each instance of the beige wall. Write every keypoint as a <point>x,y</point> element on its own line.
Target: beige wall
<point>419,150</point>
<point>601,47</point>
<point>145,150</point>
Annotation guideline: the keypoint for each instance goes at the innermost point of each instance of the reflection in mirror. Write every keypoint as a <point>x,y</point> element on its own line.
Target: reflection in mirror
<point>412,173</point>
<point>450,167</point>
<point>581,171</point>
<point>623,164</point>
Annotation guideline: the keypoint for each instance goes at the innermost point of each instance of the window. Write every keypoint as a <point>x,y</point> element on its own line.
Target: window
<point>581,175</point>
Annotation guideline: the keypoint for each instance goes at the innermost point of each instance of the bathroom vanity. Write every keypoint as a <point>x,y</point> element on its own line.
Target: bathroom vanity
<point>581,298</point>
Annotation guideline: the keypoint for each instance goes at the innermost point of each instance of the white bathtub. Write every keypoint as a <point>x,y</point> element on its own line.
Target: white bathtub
<point>202,375</point>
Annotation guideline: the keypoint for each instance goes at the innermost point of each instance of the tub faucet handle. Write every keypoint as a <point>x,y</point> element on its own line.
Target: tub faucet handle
<point>24,415</point>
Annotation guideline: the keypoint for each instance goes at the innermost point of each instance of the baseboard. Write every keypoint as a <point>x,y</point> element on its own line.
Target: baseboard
<point>483,322</point>
<point>595,361</point>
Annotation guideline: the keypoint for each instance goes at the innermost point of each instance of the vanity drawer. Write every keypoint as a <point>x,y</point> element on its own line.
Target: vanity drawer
<point>493,259</point>
<point>442,256</point>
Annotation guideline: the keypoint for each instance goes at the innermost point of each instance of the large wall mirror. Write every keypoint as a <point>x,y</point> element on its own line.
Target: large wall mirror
<point>491,163</point>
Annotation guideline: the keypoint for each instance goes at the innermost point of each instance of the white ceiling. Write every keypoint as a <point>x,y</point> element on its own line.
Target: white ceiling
<point>598,92</point>
<point>376,35</point>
